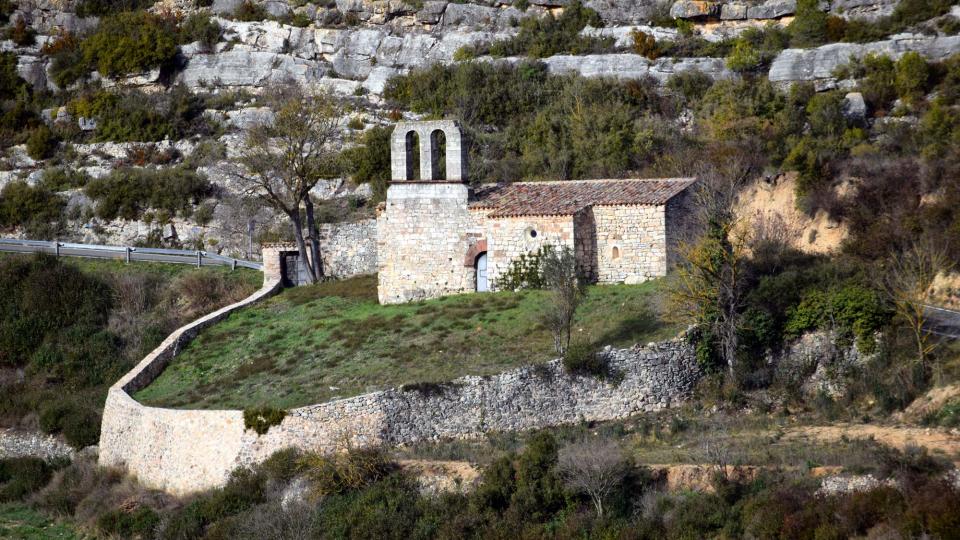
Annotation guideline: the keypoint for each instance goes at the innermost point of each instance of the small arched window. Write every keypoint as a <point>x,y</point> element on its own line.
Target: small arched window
<point>413,155</point>
<point>615,253</point>
<point>438,154</point>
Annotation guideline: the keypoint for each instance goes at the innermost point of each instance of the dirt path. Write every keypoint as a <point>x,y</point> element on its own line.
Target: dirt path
<point>899,437</point>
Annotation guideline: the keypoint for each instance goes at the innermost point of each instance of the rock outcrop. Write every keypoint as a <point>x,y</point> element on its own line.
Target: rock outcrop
<point>818,64</point>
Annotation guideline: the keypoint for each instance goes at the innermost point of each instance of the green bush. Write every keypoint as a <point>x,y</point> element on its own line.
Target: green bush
<point>825,114</point>
<point>912,77</point>
<point>79,356</point>
<point>583,358</point>
<point>744,57</point>
<point>21,204</point>
<point>101,8</point>
<point>369,161</point>
<point>134,116</point>
<point>67,64</point>
<point>11,84</point>
<point>946,416</point>
<point>45,298</point>
<point>41,143</point>
<point>79,424</point>
<point>689,46</point>
<point>130,42</point>
<point>937,128</point>
<point>128,193</point>
<point>250,11</point>
<point>524,272</point>
<point>261,419</point>
<point>760,46</point>
<point>199,27</point>
<point>855,311</point>
<point>540,37</point>
<point>346,471</point>
<point>691,84</point>
<point>809,25</point>
<point>63,179</point>
<point>137,523</point>
<point>22,476</point>
<point>243,490</point>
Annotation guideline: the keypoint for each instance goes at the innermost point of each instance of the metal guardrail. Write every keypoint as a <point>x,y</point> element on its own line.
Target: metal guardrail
<point>126,253</point>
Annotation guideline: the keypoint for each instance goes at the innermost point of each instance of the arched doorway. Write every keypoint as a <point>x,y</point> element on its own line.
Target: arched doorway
<point>481,267</point>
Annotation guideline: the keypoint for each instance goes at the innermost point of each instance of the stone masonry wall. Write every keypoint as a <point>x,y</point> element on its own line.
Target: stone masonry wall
<point>508,238</point>
<point>631,243</point>
<point>654,377</point>
<point>349,249</point>
<point>184,451</point>
<point>176,450</point>
<point>423,236</point>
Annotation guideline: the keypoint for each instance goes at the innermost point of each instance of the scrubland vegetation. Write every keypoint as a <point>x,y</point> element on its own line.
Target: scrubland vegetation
<point>70,329</point>
<point>533,485</point>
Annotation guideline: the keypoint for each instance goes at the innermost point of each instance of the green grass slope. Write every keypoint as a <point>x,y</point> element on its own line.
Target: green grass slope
<point>19,522</point>
<point>311,344</point>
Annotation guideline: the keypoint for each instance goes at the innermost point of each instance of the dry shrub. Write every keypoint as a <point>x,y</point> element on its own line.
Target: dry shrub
<point>298,521</point>
<point>595,467</point>
<point>196,293</point>
<point>346,471</point>
<point>134,299</point>
<point>84,491</point>
<point>771,235</point>
<point>140,155</point>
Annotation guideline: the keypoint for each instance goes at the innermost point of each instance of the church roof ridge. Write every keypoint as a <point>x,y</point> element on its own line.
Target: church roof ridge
<point>567,197</point>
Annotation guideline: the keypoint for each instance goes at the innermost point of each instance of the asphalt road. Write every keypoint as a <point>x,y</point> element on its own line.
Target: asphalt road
<point>943,322</point>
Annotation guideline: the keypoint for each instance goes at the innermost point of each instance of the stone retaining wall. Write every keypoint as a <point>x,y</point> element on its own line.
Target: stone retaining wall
<point>647,379</point>
<point>184,451</point>
<point>177,450</point>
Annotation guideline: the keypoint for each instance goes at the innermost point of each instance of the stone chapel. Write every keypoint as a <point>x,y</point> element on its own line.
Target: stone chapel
<point>437,235</point>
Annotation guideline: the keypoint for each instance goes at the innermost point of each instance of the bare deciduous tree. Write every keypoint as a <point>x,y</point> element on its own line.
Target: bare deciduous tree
<point>594,467</point>
<point>282,159</point>
<point>771,236</point>
<point>708,288</point>
<point>909,276</point>
<point>567,288</point>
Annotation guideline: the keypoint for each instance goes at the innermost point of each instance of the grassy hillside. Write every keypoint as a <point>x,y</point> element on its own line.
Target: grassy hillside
<point>311,344</point>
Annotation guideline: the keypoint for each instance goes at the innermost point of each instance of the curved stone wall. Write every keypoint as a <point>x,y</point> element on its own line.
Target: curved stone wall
<point>184,451</point>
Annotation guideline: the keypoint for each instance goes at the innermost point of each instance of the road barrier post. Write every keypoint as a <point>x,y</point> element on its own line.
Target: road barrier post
<point>126,254</point>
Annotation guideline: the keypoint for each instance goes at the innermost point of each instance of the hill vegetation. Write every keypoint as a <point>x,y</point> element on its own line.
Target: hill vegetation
<point>70,329</point>
<point>313,343</point>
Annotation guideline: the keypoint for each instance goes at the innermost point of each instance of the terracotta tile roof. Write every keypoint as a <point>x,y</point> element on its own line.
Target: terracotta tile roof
<point>570,196</point>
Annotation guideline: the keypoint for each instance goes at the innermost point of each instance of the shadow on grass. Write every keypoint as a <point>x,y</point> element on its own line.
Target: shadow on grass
<point>632,329</point>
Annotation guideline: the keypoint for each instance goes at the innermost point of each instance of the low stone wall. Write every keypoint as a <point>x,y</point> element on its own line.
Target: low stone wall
<point>184,451</point>
<point>648,379</point>
<point>177,450</point>
<point>349,249</point>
